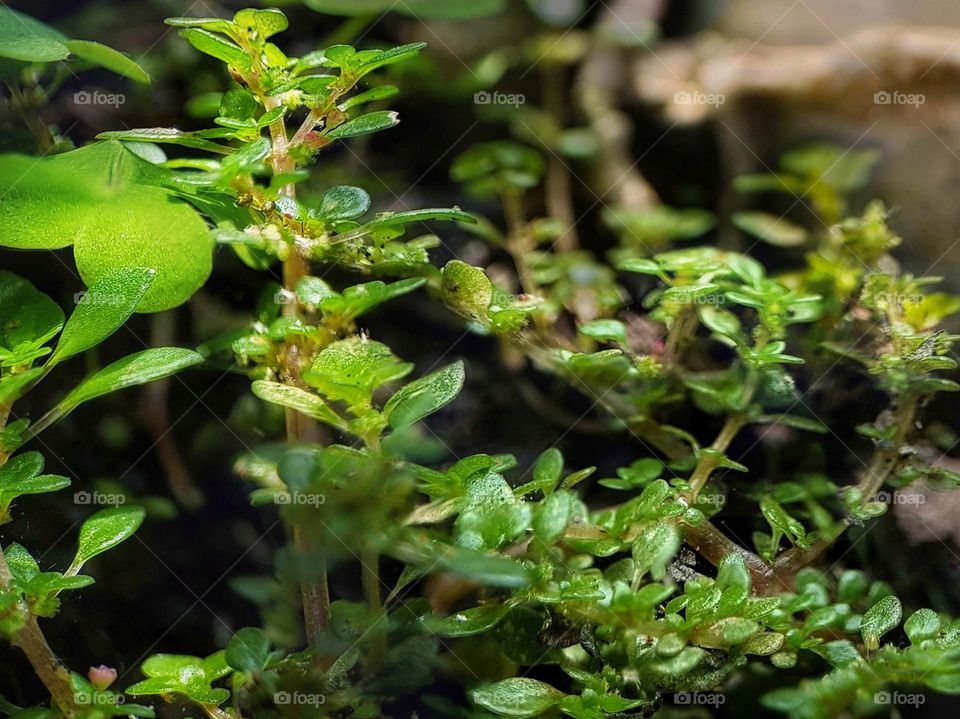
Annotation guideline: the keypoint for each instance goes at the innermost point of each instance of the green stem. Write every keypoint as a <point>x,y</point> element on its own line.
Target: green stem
<point>29,113</point>
<point>31,641</point>
<point>370,567</point>
<point>300,428</point>
<point>518,242</point>
<point>885,459</point>
<point>707,463</point>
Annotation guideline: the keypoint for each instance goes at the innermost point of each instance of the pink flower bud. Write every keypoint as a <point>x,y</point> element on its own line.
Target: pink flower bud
<point>102,677</point>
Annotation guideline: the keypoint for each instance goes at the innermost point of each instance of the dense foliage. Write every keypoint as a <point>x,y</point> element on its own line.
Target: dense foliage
<point>483,588</point>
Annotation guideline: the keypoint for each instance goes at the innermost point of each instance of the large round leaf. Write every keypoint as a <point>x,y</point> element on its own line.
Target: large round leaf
<point>41,202</point>
<point>147,227</point>
<point>110,204</point>
<point>23,38</point>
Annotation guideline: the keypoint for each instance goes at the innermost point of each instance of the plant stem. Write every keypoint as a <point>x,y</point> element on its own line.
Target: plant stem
<point>558,189</point>
<point>370,567</point>
<point>33,644</point>
<point>707,463</point>
<point>300,428</point>
<point>684,325</point>
<point>29,113</point>
<point>885,459</point>
<point>731,428</point>
<point>4,416</point>
<point>215,712</point>
<point>518,240</point>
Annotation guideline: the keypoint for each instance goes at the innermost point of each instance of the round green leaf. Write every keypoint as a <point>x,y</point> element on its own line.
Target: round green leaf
<point>147,227</point>
<point>23,38</point>
<point>922,624</point>
<point>606,330</point>
<point>344,203</point>
<point>248,650</point>
<point>42,202</point>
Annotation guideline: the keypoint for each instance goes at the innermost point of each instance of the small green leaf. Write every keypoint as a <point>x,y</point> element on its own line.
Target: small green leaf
<point>108,58</point>
<point>299,399</point>
<point>747,268</point>
<point>248,650</point>
<point>265,23</point>
<point>840,653</point>
<point>424,396</point>
<point>111,206</point>
<point>218,47</point>
<point>139,368</point>
<point>344,203</point>
<point>105,530</point>
<point>880,619</point>
<point>191,676</point>
<point>547,471</point>
<point>166,135</point>
<point>26,314</point>
<point>381,92</point>
<point>641,265</point>
<point>365,124</point>
<point>517,697</point>
<point>791,420</point>
<point>723,322</point>
<point>607,330</point>
<point>763,644</point>
<point>353,369</point>
<point>732,572</point>
<point>770,229</point>
<point>214,24</point>
<point>922,624</point>
<point>551,517</point>
<point>101,310</point>
<point>21,475</point>
<point>472,621</point>
<point>654,548</point>
<point>466,289</point>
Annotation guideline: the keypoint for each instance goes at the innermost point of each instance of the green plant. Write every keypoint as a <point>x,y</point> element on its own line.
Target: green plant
<point>467,576</point>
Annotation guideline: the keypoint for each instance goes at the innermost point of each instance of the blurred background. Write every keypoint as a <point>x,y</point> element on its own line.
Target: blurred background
<point>632,102</point>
